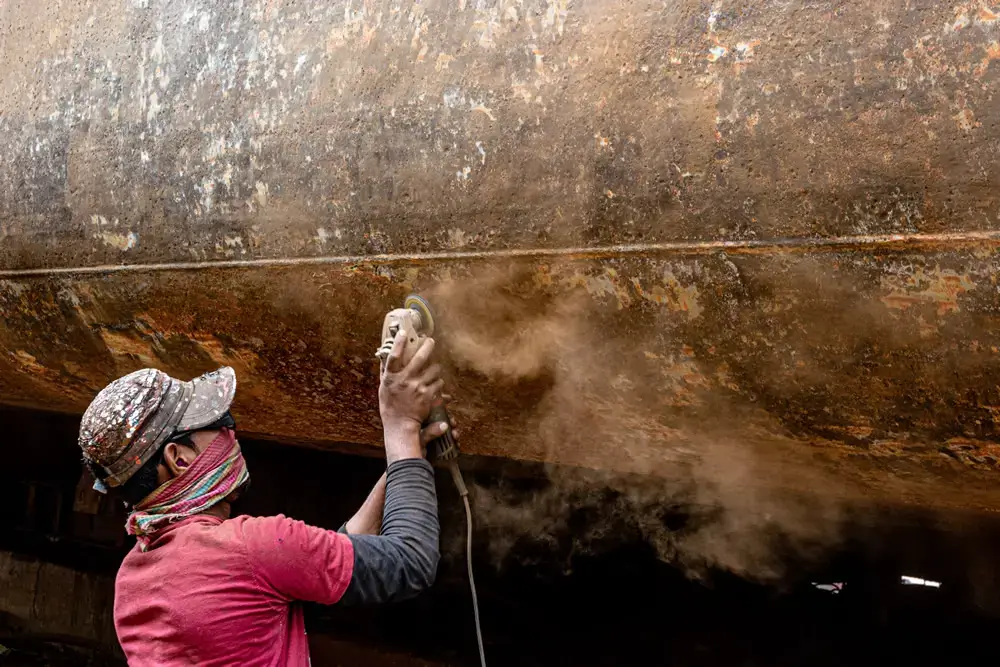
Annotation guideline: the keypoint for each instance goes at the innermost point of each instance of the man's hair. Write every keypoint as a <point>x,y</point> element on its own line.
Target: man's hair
<point>144,481</point>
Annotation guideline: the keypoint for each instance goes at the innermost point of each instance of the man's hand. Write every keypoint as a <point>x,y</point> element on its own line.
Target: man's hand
<point>437,429</point>
<point>406,395</point>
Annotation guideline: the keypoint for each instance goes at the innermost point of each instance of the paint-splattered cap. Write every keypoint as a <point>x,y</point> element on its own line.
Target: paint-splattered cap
<point>135,415</point>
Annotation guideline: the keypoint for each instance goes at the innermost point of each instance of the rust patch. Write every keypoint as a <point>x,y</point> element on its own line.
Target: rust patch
<point>566,361</point>
<point>974,454</point>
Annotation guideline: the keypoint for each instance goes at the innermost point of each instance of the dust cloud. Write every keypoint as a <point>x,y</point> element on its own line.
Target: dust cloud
<point>552,374</point>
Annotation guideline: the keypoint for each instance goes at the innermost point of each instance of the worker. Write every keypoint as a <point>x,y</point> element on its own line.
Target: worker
<point>201,588</point>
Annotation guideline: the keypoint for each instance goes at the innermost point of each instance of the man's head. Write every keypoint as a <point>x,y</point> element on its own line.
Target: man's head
<point>147,427</point>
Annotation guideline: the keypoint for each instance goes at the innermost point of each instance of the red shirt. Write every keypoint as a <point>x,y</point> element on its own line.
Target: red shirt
<point>214,592</point>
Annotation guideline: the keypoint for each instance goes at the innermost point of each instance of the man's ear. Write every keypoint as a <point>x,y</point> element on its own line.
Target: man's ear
<point>177,458</point>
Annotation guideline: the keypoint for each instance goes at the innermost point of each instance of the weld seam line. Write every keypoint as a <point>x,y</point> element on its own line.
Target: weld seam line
<point>743,247</point>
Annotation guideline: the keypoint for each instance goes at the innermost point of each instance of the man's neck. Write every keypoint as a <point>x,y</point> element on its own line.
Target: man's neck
<point>221,510</point>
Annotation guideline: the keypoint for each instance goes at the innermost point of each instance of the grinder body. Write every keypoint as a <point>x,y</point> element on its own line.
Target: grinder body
<point>417,321</point>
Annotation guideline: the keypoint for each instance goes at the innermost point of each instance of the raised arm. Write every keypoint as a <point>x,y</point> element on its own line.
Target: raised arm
<point>402,559</point>
<point>368,519</point>
<point>300,562</point>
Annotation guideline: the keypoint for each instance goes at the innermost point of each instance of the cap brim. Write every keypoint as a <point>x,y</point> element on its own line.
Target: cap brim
<point>212,396</point>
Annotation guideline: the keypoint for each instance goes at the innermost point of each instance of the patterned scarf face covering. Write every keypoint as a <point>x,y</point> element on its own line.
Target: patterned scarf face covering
<point>216,473</point>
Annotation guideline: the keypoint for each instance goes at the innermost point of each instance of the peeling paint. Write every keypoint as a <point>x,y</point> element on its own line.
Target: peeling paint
<point>107,233</point>
<point>604,284</point>
<point>940,288</point>
<point>122,242</point>
<point>716,53</point>
<point>442,62</point>
<point>457,238</point>
<point>745,50</point>
<point>671,294</point>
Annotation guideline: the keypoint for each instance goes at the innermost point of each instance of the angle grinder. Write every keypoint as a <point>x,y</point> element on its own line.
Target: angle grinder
<point>417,321</point>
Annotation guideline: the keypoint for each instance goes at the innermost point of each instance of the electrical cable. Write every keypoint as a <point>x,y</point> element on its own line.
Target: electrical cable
<point>472,580</point>
<point>456,475</point>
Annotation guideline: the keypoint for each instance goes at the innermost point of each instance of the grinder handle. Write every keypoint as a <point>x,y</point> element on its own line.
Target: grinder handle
<point>445,447</point>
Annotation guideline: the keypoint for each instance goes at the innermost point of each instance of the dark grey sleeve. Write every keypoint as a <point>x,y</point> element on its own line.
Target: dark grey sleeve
<point>401,561</point>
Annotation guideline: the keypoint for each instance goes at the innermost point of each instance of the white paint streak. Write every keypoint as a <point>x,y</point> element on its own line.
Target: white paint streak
<point>713,16</point>
<point>555,15</point>
<point>207,193</point>
<point>262,193</point>
<point>153,107</point>
<point>159,52</point>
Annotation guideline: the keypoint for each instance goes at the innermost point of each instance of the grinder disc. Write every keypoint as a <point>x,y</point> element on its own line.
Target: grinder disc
<point>420,305</point>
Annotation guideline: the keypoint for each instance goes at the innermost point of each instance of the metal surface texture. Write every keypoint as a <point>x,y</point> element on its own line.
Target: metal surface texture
<point>646,228</point>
